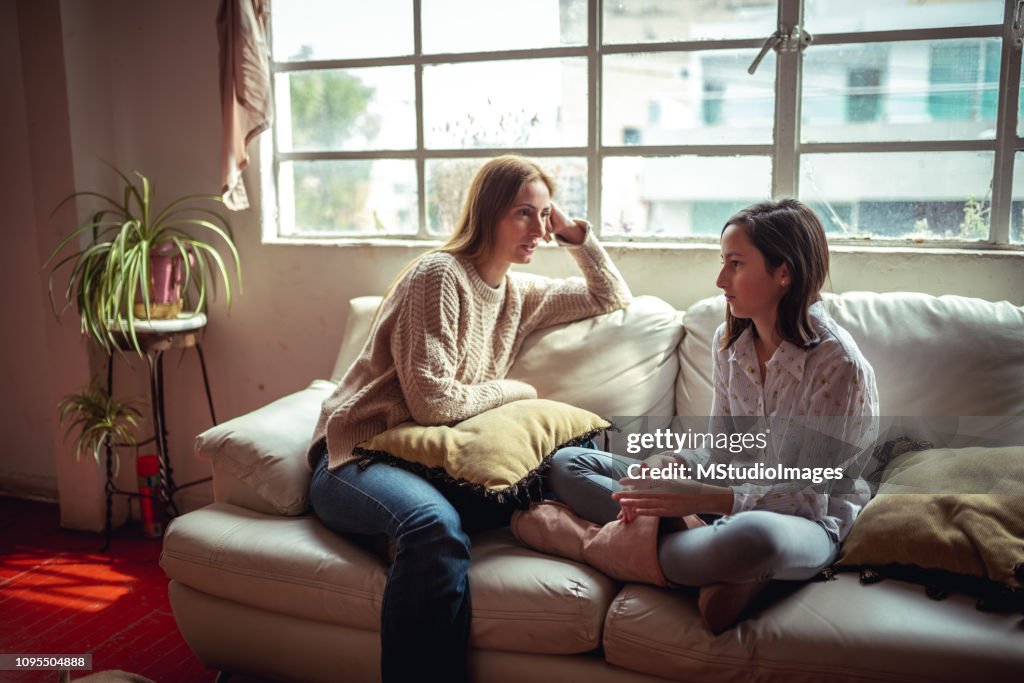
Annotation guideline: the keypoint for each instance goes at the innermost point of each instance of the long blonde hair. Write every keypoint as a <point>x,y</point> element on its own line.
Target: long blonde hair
<point>495,186</point>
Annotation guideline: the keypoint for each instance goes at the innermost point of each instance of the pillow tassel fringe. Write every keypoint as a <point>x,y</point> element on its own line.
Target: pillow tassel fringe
<point>992,596</point>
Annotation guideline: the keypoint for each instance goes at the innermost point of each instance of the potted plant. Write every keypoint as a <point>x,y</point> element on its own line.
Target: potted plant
<point>101,421</point>
<point>140,263</point>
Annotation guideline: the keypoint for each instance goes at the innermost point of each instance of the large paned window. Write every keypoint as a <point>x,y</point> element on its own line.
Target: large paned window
<point>897,120</point>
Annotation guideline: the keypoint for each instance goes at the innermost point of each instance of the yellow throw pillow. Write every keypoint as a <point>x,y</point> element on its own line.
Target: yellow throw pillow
<point>955,510</point>
<point>499,454</point>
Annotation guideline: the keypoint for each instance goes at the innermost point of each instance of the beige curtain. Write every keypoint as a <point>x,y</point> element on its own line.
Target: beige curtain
<point>246,101</point>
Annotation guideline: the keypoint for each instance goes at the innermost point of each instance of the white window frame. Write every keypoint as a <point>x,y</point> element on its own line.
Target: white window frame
<point>785,151</point>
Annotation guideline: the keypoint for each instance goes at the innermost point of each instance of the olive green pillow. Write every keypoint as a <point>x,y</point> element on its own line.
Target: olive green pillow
<point>499,454</point>
<point>955,510</point>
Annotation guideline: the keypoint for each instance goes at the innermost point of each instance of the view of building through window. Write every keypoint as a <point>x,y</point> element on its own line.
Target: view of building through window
<point>654,131</point>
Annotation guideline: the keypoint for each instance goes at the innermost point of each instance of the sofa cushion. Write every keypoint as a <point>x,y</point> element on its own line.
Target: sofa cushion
<point>958,510</point>
<point>693,385</point>
<point>834,630</point>
<point>522,601</point>
<point>498,455</point>
<point>242,639</point>
<point>259,459</point>
<point>967,351</point>
<point>621,364</point>
<point>357,329</point>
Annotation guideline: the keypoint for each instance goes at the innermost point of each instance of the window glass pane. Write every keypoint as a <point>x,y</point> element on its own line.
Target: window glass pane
<point>687,98</point>
<point>922,195</point>
<point>914,90</point>
<point>448,181</point>
<point>652,21</point>
<point>1020,104</point>
<point>1017,208</point>
<point>678,196</point>
<point>485,25</point>
<point>346,109</point>
<point>829,16</point>
<point>515,103</point>
<point>305,30</point>
<point>348,197</point>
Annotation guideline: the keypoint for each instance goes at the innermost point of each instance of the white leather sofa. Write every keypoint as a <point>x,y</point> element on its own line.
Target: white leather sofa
<point>258,585</point>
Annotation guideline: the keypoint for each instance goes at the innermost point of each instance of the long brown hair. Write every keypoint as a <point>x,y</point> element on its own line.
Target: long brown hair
<point>785,231</point>
<point>495,186</point>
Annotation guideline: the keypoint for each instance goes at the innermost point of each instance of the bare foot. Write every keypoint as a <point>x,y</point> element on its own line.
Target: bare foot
<point>722,604</point>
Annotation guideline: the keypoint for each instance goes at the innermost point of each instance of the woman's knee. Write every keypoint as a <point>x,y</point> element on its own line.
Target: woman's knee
<point>434,526</point>
<point>568,459</point>
<point>760,545</point>
<point>432,545</point>
<point>564,464</point>
<point>747,546</point>
<point>753,538</point>
<point>732,549</point>
<point>570,464</point>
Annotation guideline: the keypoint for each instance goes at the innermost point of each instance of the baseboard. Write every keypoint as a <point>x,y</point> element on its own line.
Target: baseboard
<point>30,487</point>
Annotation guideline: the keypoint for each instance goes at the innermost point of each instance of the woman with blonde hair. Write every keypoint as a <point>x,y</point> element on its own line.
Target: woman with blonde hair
<point>442,342</point>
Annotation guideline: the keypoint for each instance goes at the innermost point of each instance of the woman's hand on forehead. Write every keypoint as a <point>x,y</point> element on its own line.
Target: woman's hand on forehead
<point>559,223</point>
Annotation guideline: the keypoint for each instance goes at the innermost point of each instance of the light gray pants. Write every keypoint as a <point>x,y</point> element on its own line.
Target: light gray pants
<point>748,546</point>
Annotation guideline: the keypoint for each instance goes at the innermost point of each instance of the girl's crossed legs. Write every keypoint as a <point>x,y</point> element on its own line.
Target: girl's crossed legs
<point>748,546</point>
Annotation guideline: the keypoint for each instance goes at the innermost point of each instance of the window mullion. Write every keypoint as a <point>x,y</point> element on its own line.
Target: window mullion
<point>1006,131</point>
<point>786,169</point>
<point>908,35</point>
<point>594,114</point>
<point>898,146</point>
<point>421,166</point>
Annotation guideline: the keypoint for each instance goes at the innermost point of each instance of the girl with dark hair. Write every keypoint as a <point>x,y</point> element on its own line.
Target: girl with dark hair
<point>782,368</point>
<point>439,348</point>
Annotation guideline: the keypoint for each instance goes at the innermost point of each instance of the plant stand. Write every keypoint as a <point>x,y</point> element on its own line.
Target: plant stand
<point>155,337</point>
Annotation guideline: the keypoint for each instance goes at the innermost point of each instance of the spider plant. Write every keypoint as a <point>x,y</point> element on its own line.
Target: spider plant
<point>114,270</point>
<point>101,422</point>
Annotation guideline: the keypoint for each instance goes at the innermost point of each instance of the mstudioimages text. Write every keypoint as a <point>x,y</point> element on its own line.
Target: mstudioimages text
<point>670,440</point>
<point>725,472</point>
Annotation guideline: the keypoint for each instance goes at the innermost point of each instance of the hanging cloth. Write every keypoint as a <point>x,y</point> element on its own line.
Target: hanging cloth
<point>246,102</point>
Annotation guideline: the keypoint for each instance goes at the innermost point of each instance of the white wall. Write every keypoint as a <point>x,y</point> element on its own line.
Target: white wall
<point>142,91</point>
<point>42,360</point>
<point>26,421</point>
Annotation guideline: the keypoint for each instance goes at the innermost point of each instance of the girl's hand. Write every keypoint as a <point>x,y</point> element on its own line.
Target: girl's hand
<point>560,224</point>
<point>670,498</point>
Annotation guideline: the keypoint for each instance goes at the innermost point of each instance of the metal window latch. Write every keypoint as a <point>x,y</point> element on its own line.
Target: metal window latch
<point>784,41</point>
<point>1018,24</point>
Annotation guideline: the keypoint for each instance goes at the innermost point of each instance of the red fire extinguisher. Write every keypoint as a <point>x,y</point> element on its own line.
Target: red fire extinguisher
<point>148,469</point>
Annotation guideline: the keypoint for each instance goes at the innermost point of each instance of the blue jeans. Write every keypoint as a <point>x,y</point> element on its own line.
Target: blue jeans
<point>426,611</point>
<point>748,546</point>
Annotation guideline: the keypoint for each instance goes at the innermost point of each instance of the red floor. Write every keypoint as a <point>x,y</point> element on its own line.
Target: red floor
<point>60,595</point>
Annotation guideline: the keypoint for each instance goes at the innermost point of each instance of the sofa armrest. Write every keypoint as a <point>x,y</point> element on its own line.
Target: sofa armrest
<point>259,459</point>
<point>361,312</point>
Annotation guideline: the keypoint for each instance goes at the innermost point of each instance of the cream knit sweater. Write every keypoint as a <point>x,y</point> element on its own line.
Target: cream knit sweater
<point>444,340</point>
